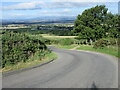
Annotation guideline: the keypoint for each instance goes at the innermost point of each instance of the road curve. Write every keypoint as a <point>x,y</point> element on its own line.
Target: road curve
<point>73,69</point>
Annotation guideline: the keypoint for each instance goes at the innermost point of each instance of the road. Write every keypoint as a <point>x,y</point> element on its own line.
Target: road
<point>72,69</point>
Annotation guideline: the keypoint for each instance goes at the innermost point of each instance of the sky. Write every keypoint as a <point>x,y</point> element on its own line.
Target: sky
<point>26,9</point>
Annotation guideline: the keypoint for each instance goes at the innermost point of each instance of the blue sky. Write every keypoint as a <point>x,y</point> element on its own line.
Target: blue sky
<point>25,9</point>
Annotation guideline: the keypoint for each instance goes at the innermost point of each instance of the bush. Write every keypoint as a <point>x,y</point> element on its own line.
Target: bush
<point>66,41</point>
<point>17,47</point>
<point>100,43</point>
<point>112,41</point>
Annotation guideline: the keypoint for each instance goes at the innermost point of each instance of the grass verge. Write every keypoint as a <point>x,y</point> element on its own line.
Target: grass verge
<point>111,50</point>
<point>65,46</point>
<point>31,62</point>
<point>107,50</point>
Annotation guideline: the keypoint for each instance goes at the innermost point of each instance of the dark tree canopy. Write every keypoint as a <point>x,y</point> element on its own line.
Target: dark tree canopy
<point>96,23</point>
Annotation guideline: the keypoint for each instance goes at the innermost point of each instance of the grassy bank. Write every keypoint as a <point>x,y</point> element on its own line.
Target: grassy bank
<point>111,50</point>
<point>31,62</point>
<point>66,46</point>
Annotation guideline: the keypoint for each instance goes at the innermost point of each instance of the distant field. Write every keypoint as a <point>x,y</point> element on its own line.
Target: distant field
<point>53,36</point>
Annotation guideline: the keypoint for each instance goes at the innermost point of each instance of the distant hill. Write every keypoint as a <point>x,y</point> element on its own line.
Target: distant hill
<point>41,20</point>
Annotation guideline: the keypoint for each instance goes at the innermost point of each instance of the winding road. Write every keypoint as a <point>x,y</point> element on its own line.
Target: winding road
<point>72,69</point>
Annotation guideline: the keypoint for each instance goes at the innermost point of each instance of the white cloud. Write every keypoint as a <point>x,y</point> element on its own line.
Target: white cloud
<point>45,11</point>
<point>17,14</point>
<point>53,4</point>
<point>62,0</point>
<point>20,0</point>
<point>85,0</point>
<point>66,10</point>
<point>24,6</point>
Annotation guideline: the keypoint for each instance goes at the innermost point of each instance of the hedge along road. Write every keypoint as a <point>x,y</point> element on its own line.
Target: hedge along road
<point>73,69</point>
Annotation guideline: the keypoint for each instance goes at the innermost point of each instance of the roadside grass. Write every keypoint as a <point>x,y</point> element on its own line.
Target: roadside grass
<point>66,46</point>
<point>111,50</point>
<point>35,60</point>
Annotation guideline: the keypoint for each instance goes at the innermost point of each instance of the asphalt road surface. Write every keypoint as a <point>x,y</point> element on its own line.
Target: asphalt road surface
<point>72,69</point>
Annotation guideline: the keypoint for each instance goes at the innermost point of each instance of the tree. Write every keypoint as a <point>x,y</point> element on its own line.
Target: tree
<point>96,23</point>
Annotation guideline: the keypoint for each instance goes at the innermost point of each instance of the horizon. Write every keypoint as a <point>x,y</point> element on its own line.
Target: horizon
<point>31,9</point>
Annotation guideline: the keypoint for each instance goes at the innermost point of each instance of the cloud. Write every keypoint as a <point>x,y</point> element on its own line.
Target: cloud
<point>85,0</point>
<point>18,14</point>
<point>20,0</point>
<point>61,0</point>
<point>71,4</point>
<point>66,10</point>
<point>52,4</point>
<point>67,5</point>
<point>24,6</point>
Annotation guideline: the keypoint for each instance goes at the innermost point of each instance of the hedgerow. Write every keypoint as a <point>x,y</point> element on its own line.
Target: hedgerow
<point>18,47</point>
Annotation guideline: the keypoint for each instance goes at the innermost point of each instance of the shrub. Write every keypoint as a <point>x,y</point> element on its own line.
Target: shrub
<point>66,41</point>
<point>17,47</point>
<point>100,43</point>
<point>112,41</point>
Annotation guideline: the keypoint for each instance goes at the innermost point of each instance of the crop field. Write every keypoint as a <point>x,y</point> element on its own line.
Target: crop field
<point>53,36</point>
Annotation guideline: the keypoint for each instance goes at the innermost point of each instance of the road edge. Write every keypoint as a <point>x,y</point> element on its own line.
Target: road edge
<point>4,74</point>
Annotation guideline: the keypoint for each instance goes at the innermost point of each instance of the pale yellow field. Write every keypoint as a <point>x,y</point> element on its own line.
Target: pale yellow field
<point>53,36</point>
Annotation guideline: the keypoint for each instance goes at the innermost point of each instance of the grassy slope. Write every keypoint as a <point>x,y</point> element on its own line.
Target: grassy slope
<point>32,61</point>
<point>107,50</point>
<point>65,46</point>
